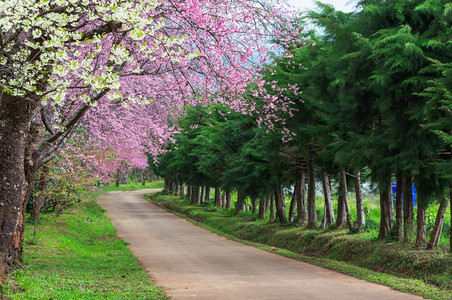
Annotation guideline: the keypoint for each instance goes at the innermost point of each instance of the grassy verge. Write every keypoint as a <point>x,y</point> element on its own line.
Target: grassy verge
<point>78,256</point>
<point>132,186</point>
<point>420,272</point>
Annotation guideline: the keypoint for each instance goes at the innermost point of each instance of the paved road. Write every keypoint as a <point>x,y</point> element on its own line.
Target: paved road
<point>190,262</point>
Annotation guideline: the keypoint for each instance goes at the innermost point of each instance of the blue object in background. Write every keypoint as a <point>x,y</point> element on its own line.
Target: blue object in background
<point>413,191</point>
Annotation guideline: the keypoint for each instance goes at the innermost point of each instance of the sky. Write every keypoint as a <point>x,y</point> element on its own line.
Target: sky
<point>310,4</point>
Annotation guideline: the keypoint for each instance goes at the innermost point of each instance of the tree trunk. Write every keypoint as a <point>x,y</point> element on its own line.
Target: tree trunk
<point>421,229</point>
<point>196,195</point>
<point>16,114</point>
<point>217,196</point>
<point>385,213</point>
<point>300,193</point>
<point>203,188</point>
<point>439,223</point>
<point>262,209</point>
<point>292,208</point>
<point>342,201</point>
<point>361,219</point>
<point>39,194</point>
<point>272,207</point>
<point>254,204</point>
<point>182,190</point>
<point>408,211</point>
<point>399,209</point>
<point>280,204</point>
<point>240,204</point>
<point>189,192</point>
<point>207,194</point>
<point>228,199</point>
<point>450,208</point>
<point>176,189</point>
<point>312,213</point>
<point>118,174</point>
<point>329,212</point>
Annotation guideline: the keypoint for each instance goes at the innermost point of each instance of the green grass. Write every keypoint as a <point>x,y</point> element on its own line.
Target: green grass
<point>133,185</point>
<point>400,266</point>
<point>78,256</point>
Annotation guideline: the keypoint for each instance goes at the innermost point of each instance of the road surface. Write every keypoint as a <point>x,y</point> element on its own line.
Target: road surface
<point>193,263</point>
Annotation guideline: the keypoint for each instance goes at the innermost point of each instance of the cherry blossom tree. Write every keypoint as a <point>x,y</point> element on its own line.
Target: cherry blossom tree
<point>63,59</point>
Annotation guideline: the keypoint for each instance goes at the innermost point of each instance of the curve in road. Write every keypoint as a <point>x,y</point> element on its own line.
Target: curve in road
<point>190,262</point>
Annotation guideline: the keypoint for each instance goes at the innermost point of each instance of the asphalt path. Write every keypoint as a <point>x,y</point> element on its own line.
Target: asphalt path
<point>191,262</point>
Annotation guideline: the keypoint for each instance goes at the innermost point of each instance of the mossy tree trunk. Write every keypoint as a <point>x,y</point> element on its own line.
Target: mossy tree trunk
<point>300,195</point>
<point>399,208</point>
<point>385,212</point>
<point>360,217</point>
<point>280,204</point>
<point>439,223</point>
<point>329,211</point>
<point>408,211</point>
<point>312,213</point>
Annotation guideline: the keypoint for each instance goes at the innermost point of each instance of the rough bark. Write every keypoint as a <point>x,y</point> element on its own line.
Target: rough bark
<point>118,174</point>
<point>240,203</point>
<point>300,195</point>
<point>360,217</point>
<point>207,194</point>
<point>203,189</point>
<point>217,196</point>
<point>280,204</point>
<point>254,204</point>
<point>421,226</point>
<point>408,211</point>
<point>385,212</point>
<point>16,114</point>
<point>399,209</point>
<point>292,208</point>
<point>439,223</point>
<point>262,209</point>
<point>182,190</point>
<point>312,213</point>
<point>329,212</point>
<point>272,208</point>
<point>228,199</point>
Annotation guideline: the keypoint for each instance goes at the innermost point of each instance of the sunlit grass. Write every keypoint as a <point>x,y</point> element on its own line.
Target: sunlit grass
<point>78,256</point>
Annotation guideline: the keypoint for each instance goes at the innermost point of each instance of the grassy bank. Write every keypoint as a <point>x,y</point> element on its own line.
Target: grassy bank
<point>421,272</point>
<point>133,185</point>
<point>78,256</point>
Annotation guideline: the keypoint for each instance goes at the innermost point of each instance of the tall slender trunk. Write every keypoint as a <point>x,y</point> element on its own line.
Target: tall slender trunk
<point>292,207</point>
<point>450,208</point>
<point>203,189</point>
<point>385,212</point>
<point>254,204</point>
<point>348,215</point>
<point>182,190</point>
<point>408,211</point>
<point>217,196</point>
<point>228,199</point>
<point>312,213</point>
<point>439,223</point>
<point>272,208</point>
<point>176,189</point>
<point>189,192</point>
<point>360,218</point>
<point>421,226</point>
<point>399,209</point>
<point>207,194</point>
<point>118,179</point>
<point>329,212</point>
<point>280,204</point>
<point>300,195</point>
<point>261,207</point>
<point>240,204</point>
